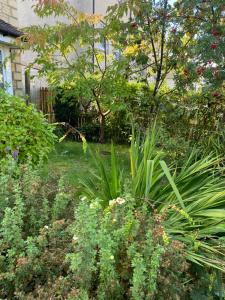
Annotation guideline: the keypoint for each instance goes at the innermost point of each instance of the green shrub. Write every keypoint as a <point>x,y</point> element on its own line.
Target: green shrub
<point>125,252</point>
<point>119,253</point>
<point>33,235</point>
<point>24,132</point>
<point>197,117</point>
<point>42,200</point>
<point>118,127</point>
<point>66,106</point>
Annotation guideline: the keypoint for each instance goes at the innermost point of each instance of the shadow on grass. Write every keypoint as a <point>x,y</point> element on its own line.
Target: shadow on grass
<point>70,161</point>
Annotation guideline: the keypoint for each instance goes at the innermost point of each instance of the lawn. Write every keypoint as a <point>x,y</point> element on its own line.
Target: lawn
<point>70,161</point>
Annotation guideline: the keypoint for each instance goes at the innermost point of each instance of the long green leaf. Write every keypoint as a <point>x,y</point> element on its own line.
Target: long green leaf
<point>172,183</point>
<point>149,175</point>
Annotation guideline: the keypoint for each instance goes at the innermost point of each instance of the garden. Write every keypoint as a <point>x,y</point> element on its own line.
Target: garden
<point>123,195</point>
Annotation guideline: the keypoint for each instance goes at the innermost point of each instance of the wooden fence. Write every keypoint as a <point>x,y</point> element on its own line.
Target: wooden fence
<point>46,105</point>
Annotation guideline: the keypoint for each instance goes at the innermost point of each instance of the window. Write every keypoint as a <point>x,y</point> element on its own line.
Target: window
<point>5,69</point>
<point>1,71</point>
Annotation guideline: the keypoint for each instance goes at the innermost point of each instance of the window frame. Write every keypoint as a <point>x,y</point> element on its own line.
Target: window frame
<point>6,68</point>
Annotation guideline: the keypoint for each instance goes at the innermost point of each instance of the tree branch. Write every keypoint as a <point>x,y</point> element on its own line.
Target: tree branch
<point>95,55</point>
<point>152,42</point>
<point>159,71</point>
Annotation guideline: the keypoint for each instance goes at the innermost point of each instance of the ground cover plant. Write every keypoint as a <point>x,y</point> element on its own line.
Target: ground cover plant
<point>54,244</point>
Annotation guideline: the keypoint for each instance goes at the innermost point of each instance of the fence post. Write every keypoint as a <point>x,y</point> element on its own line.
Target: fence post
<point>45,106</point>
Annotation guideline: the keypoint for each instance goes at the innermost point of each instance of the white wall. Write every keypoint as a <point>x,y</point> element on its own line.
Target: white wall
<point>27,17</point>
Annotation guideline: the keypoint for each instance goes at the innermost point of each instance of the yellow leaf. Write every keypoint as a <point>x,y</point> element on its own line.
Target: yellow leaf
<point>100,57</point>
<point>131,50</point>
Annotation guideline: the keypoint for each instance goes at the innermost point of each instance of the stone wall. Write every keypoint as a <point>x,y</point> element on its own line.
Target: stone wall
<point>8,11</point>
<point>17,73</point>
<point>9,14</point>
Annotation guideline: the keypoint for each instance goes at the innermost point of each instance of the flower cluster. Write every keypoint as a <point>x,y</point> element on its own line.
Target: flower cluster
<point>14,153</point>
<point>117,201</point>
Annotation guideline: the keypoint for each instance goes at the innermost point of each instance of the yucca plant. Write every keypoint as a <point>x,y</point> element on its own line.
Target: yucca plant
<point>106,183</point>
<point>194,207</point>
<point>190,199</point>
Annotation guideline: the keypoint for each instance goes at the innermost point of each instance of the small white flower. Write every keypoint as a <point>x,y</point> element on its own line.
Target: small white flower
<point>93,205</point>
<point>112,257</point>
<point>75,238</point>
<point>120,201</point>
<point>112,202</point>
<point>46,227</point>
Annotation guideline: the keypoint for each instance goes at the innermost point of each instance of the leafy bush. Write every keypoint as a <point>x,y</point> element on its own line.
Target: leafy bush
<point>24,132</point>
<point>32,239</point>
<point>43,200</point>
<point>66,106</point>
<point>197,116</point>
<point>119,253</point>
<point>118,127</point>
<point>177,148</point>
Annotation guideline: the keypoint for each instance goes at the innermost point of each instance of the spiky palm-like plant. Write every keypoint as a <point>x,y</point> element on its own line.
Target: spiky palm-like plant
<point>190,199</point>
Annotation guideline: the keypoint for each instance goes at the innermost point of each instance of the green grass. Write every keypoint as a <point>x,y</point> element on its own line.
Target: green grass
<point>70,161</point>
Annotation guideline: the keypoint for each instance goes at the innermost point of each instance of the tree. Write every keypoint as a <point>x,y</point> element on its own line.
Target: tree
<point>73,54</point>
<point>185,40</point>
<point>204,61</point>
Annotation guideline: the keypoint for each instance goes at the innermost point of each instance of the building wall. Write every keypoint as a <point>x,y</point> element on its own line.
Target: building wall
<point>8,11</point>
<point>9,14</point>
<point>26,18</point>
<point>87,5</point>
<point>101,6</point>
<point>17,77</point>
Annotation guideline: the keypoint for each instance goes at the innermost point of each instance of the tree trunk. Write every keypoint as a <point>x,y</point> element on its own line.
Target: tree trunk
<point>102,129</point>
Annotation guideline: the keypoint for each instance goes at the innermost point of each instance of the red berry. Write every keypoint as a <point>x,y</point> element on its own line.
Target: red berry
<point>174,30</point>
<point>186,72</point>
<point>213,46</point>
<point>215,94</point>
<point>134,25</point>
<point>215,32</point>
<point>200,70</point>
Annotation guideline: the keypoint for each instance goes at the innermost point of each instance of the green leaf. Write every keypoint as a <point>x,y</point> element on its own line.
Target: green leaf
<point>172,183</point>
